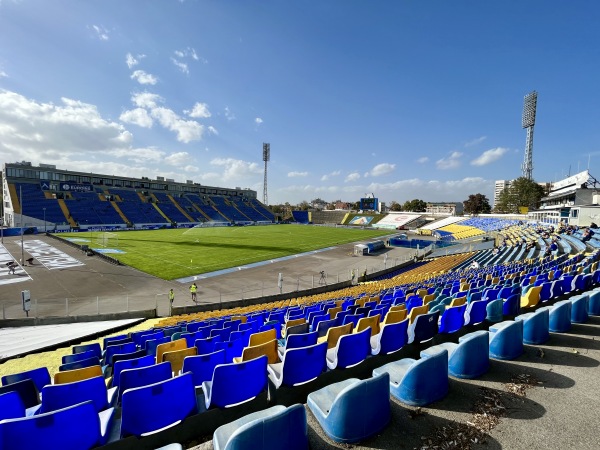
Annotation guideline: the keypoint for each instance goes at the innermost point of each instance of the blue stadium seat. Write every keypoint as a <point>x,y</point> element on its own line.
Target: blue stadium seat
<point>424,328</point>
<point>40,376</point>
<point>136,377</point>
<point>390,339</point>
<point>152,344</point>
<point>79,356</point>
<point>157,406</point>
<point>353,410</point>
<point>506,340</point>
<point>203,366</point>
<point>11,406</point>
<point>111,350</point>
<point>95,347</point>
<point>233,349</point>
<point>453,319</point>
<point>235,383</point>
<point>112,339</point>
<point>536,326</point>
<point>419,382</point>
<point>77,427</point>
<point>299,365</point>
<point>470,357</point>
<point>27,392</point>
<point>350,350</point>
<point>275,428</point>
<point>298,340</point>
<point>207,345</point>
<point>93,361</point>
<point>560,317</point>
<point>476,312</point>
<point>594,303</point>
<point>511,305</point>
<point>126,364</point>
<point>579,308</point>
<point>494,310</point>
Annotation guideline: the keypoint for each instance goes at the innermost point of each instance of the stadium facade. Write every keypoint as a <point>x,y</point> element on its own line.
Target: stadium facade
<point>62,200</point>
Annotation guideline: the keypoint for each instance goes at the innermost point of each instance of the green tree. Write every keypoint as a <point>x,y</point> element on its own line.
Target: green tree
<point>395,206</point>
<point>303,206</point>
<point>477,204</point>
<point>522,193</point>
<point>415,205</point>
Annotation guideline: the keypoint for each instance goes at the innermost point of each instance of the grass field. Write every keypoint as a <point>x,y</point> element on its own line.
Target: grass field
<point>177,253</point>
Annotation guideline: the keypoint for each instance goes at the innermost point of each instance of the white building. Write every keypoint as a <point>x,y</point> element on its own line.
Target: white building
<point>499,187</point>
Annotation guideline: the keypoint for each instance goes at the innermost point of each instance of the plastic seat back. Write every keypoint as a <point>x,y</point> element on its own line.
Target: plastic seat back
<point>275,427</point>
<point>11,405</point>
<point>78,356</point>
<point>233,349</point>
<point>324,326</point>
<point>59,396</point>
<point>40,376</point>
<point>125,356</point>
<point>73,428</point>
<point>152,344</point>
<point>69,376</point>
<point>236,383</point>
<point>262,337</point>
<point>157,406</point>
<point>176,358</point>
<point>334,334</point>
<point>203,366</point>
<point>114,349</point>
<point>511,306</point>
<point>93,361</point>
<point>424,328</point>
<point>368,322</point>
<point>95,347</point>
<point>475,312</point>
<point>26,390</point>
<point>417,311</point>
<point>453,319</point>
<point>303,364</point>
<point>301,340</point>
<point>179,344</point>
<point>137,363</point>
<point>207,345</point>
<point>393,337</point>
<point>268,349</point>
<point>494,310</point>
<point>531,298</point>
<point>352,349</point>
<point>111,339</point>
<point>133,378</point>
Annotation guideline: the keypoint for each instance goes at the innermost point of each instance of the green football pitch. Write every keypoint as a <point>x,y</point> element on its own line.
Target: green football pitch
<point>178,253</point>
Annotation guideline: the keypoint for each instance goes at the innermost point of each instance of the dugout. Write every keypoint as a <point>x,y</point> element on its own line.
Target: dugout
<point>370,247</point>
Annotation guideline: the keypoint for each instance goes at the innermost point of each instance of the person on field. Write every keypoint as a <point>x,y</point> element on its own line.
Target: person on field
<point>193,290</point>
<point>171,300</point>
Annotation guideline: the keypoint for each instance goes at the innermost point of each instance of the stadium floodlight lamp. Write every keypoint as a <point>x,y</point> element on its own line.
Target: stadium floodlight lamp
<point>529,109</point>
<point>266,152</point>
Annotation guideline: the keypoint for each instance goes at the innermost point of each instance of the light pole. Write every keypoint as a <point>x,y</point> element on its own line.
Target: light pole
<point>44,220</point>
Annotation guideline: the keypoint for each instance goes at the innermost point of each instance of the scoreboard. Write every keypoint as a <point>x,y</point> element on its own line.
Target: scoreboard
<point>369,204</point>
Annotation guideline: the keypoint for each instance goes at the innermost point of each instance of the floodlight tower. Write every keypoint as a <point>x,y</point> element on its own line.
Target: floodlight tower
<point>266,158</point>
<point>529,108</point>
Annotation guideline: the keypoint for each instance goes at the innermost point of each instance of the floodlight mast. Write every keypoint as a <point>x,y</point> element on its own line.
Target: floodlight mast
<point>529,109</point>
<point>266,159</point>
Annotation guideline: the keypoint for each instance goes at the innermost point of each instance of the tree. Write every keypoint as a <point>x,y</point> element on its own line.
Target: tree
<point>415,205</point>
<point>303,206</point>
<point>477,204</point>
<point>395,206</point>
<point>522,193</point>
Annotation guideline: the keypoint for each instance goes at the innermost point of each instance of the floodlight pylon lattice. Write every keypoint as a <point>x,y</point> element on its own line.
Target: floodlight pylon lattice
<point>528,122</point>
<point>266,159</point>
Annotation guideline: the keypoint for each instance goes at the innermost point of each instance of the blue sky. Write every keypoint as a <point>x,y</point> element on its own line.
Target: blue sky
<point>403,99</point>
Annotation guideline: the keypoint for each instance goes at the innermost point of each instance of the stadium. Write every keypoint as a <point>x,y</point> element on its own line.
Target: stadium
<point>337,311</point>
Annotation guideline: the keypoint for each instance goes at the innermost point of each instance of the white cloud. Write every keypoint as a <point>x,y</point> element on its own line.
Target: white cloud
<point>381,169</point>
<point>229,114</point>
<point>258,121</point>
<point>452,162</point>
<point>143,77</point>
<point>327,176</point>
<point>138,155</point>
<point>181,66</point>
<point>58,133</point>
<point>137,116</point>
<point>352,177</point>
<point>131,61</point>
<point>200,110</point>
<point>475,141</point>
<point>3,74</point>
<point>101,32</point>
<point>146,99</point>
<point>212,130</point>
<point>235,169</point>
<point>423,159</point>
<point>187,130</point>
<point>489,156</point>
<point>297,174</point>
<point>177,159</point>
